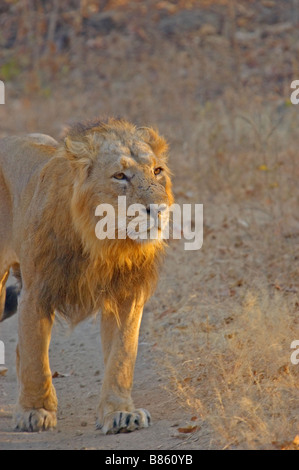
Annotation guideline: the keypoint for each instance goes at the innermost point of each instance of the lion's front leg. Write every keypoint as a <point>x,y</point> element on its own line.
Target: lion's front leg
<point>37,403</point>
<point>119,343</point>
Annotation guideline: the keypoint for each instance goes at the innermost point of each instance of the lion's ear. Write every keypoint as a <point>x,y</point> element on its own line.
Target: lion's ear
<point>154,140</point>
<point>79,151</point>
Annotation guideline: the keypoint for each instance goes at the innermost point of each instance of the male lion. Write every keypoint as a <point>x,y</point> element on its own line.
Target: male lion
<point>48,195</point>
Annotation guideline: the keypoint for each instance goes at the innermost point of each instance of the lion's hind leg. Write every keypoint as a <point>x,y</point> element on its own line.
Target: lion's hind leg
<point>8,258</point>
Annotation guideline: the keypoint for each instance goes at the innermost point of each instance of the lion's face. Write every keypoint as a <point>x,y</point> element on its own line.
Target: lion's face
<point>123,167</point>
<point>133,170</point>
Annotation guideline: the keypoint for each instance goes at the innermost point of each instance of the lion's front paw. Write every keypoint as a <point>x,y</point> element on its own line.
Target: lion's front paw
<point>34,420</point>
<point>124,421</point>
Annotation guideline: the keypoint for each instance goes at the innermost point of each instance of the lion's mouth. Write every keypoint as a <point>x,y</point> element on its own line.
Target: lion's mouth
<point>151,233</point>
<point>145,227</point>
<point>148,229</point>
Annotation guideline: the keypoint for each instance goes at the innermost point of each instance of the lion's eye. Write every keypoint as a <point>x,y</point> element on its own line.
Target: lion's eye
<point>157,171</point>
<point>120,176</point>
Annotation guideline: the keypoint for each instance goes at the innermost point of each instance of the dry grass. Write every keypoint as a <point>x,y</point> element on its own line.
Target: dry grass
<point>228,342</point>
<point>236,374</point>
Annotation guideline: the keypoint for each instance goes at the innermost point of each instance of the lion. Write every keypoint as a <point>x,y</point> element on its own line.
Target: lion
<point>49,191</point>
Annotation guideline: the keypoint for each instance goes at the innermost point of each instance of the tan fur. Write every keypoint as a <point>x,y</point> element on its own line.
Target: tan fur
<point>48,195</point>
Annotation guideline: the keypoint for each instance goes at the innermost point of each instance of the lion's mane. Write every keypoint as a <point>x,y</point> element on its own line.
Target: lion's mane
<point>77,273</point>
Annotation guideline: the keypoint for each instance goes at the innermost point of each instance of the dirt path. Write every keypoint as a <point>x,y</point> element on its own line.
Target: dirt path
<point>76,358</point>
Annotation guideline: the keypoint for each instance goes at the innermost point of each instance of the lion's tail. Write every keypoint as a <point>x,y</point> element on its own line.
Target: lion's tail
<point>11,302</point>
<point>11,297</point>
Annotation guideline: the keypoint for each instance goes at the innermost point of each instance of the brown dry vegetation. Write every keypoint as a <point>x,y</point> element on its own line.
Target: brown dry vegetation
<point>214,77</point>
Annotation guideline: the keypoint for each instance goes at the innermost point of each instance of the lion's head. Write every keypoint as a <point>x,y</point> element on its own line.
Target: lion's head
<point>116,159</point>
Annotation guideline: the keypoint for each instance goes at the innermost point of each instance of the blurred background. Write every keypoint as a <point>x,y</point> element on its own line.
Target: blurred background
<point>214,77</point>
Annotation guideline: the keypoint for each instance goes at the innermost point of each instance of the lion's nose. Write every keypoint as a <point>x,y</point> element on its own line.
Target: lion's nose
<point>151,209</point>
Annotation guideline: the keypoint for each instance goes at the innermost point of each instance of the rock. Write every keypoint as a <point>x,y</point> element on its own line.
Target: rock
<point>207,30</point>
<point>279,28</point>
<point>191,20</point>
<point>247,36</point>
<point>104,23</point>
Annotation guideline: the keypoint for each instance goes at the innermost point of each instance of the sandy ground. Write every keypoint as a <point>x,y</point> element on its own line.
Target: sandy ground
<point>75,357</point>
